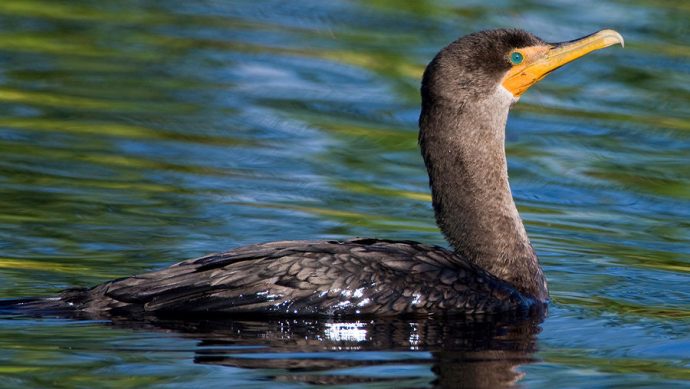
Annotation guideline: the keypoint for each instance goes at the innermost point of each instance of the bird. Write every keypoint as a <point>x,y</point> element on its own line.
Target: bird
<point>490,268</point>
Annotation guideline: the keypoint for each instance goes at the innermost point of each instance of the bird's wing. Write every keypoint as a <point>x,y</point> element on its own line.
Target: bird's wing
<point>306,277</point>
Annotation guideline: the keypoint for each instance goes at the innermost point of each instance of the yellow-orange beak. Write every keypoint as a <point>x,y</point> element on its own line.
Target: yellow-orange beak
<point>543,59</point>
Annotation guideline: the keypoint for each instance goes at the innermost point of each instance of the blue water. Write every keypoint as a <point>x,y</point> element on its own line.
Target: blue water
<point>136,134</point>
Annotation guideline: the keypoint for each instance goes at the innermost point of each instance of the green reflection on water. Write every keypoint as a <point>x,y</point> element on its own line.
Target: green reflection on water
<point>136,134</point>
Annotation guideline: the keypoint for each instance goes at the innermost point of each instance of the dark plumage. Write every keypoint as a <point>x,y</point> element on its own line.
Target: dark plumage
<point>359,276</point>
<point>492,269</point>
<point>472,66</point>
<point>462,137</point>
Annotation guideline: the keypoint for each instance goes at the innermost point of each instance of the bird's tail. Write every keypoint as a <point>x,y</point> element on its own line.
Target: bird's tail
<point>66,303</point>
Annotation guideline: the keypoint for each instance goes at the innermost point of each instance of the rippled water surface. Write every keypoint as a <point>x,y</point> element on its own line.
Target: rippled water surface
<point>134,134</point>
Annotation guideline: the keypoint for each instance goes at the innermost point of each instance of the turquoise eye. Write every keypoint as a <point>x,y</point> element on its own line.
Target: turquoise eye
<point>516,58</point>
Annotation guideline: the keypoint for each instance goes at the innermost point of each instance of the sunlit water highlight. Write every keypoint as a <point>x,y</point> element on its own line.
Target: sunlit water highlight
<point>134,134</point>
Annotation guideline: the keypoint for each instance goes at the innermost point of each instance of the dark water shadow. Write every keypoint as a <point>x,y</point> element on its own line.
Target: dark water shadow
<point>462,352</point>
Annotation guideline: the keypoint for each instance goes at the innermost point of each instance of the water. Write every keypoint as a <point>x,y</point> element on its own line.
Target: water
<point>139,133</point>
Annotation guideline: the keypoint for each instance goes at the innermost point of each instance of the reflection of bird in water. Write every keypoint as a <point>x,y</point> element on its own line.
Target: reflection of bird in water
<point>467,91</point>
<point>459,353</point>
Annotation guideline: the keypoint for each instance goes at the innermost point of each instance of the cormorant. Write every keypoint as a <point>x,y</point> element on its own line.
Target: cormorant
<point>467,91</point>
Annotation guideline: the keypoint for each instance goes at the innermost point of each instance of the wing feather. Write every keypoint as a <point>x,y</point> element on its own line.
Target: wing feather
<point>304,277</point>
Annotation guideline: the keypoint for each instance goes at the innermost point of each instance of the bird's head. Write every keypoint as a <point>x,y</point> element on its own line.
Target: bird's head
<point>475,65</point>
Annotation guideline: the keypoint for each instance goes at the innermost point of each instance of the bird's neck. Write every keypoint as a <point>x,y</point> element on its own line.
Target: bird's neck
<point>463,145</point>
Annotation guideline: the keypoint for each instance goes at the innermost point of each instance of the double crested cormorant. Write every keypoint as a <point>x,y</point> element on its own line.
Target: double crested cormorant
<point>466,91</point>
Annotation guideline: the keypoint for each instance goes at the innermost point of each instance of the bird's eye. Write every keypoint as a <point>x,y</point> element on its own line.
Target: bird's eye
<point>516,58</point>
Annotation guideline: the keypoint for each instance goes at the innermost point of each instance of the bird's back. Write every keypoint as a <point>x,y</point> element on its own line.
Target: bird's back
<point>324,278</point>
